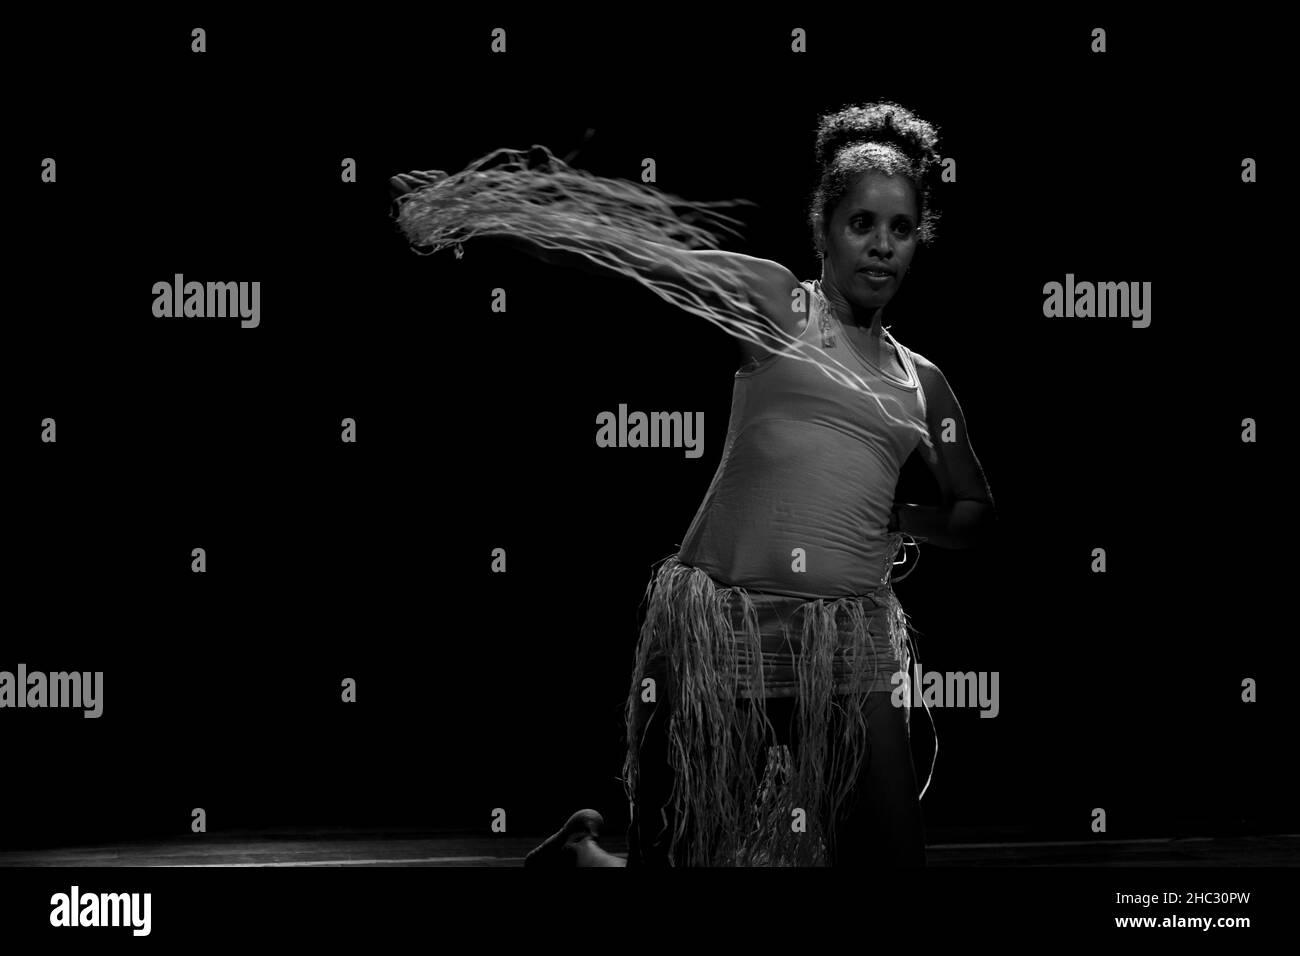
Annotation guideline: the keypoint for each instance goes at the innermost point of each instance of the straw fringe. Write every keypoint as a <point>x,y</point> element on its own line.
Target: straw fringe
<point>735,788</point>
<point>627,228</point>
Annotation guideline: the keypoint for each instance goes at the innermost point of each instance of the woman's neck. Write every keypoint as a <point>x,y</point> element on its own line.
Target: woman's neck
<point>870,321</point>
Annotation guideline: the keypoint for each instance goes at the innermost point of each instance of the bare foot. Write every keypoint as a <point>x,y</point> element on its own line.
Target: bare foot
<point>590,853</point>
<point>575,845</point>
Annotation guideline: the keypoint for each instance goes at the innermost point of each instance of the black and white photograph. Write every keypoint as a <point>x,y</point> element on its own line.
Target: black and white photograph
<point>754,439</point>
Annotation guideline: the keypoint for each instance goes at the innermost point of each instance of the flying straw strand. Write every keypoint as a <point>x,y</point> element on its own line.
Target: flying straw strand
<point>618,225</point>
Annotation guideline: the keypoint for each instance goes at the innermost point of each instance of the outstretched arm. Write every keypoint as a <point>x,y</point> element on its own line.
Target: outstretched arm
<point>598,226</point>
<point>651,259</point>
<point>611,226</point>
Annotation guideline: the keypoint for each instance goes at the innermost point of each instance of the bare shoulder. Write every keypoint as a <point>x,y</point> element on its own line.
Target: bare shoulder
<point>939,398</point>
<point>769,283</point>
<point>932,379</point>
<point>770,288</point>
<point>922,363</point>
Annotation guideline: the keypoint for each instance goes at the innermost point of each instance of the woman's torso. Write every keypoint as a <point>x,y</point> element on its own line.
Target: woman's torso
<point>801,498</point>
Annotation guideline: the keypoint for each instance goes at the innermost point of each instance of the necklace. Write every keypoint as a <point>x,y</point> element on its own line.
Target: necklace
<point>828,335</point>
<point>824,307</point>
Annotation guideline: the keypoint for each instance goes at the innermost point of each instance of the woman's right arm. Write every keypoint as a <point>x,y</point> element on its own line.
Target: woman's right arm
<point>766,284</point>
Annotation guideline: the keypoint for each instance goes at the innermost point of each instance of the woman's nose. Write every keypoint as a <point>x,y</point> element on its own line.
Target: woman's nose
<point>881,243</point>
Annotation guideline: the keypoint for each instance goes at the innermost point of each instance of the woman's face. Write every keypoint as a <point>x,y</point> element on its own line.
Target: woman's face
<point>871,238</point>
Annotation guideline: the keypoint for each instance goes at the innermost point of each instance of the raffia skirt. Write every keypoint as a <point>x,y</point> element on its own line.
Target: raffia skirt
<point>712,654</point>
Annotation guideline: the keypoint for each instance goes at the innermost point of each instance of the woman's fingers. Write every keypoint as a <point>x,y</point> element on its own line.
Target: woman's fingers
<point>409,182</point>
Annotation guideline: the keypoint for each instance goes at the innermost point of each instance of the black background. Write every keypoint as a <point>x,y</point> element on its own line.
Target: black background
<point>476,430</point>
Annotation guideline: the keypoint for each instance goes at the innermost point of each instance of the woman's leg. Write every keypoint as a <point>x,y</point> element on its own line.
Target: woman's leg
<point>653,820</point>
<point>884,827</point>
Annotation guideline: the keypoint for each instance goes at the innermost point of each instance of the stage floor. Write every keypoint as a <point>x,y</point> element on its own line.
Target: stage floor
<point>329,848</point>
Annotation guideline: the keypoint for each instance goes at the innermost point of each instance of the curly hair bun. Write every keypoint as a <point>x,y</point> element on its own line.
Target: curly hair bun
<point>885,123</point>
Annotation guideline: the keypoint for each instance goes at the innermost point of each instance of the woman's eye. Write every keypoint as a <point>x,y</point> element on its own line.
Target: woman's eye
<point>903,228</point>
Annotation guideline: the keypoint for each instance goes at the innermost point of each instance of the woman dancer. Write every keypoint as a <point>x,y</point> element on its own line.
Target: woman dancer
<point>762,723</point>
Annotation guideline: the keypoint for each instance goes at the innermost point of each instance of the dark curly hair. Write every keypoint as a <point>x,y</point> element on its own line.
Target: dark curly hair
<point>883,137</point>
